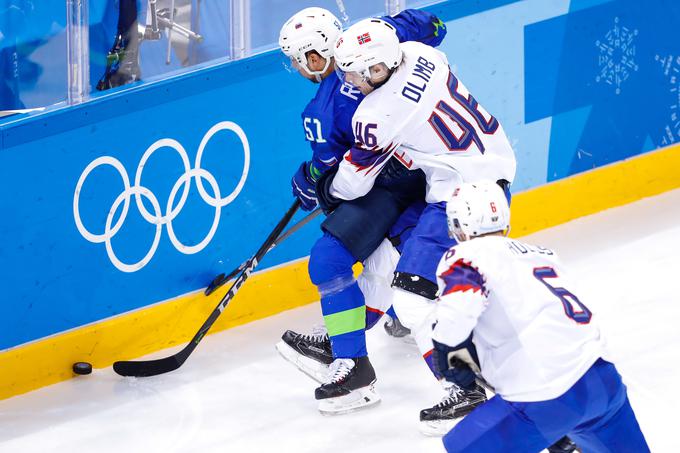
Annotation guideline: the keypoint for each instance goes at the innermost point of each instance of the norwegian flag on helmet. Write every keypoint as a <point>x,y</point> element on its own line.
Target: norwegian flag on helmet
<point>363,39</point>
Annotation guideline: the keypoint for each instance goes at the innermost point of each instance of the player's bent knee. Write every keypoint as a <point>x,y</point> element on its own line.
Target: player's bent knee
<point>411,308</point>
<point>330,261</point>
<point>376,290</point>
<point>412,299</point>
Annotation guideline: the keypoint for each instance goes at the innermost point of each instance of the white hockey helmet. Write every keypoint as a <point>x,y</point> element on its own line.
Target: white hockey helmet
<point>476,209</point>
<point>310,29</point>
<point>366,44</point>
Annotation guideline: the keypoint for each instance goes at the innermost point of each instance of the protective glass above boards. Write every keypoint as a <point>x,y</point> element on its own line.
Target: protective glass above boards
<point>130,41</point>
<point>146,40</point>
<point>420,3</point>
<point>32,55</point>
<point>172,35</point>
<point>267,16</point>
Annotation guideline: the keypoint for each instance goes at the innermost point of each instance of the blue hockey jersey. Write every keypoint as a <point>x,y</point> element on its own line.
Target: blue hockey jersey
<point>327,119</point>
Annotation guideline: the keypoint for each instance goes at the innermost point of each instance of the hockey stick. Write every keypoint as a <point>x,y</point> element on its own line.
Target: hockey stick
<point>457,362</point>
<point>221,279</point>
<point>159,366</point>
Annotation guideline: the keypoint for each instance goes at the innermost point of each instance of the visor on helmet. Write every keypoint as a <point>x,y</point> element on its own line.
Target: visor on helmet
<point>374,76</point>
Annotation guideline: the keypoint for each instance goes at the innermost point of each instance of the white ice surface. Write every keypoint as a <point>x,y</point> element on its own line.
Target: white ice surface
<point>235,394</point>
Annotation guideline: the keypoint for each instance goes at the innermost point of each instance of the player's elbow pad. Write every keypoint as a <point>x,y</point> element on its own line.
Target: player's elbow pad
<point>457,314</point>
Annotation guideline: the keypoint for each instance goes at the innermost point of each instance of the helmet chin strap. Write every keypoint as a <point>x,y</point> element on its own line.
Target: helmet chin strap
<point>377,85</point>
<point>317,74</point>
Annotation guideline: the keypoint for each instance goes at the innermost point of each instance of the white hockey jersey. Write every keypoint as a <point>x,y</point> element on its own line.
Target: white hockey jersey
<point>534,337</point>
<point>427,119</point>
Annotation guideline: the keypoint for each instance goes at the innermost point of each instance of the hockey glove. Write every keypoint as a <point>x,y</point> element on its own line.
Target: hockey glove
<point>439,31</point>
<point>303,187</point>
<point>456,364</point>
<point>392,173</point>
<point>327,202</point>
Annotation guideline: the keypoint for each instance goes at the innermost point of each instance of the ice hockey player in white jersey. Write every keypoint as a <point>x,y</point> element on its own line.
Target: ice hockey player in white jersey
<point>416,110</point>
<point>507,310</point>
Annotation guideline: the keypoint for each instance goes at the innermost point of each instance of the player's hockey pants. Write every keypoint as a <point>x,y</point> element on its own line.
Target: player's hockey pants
<point>595,413</point>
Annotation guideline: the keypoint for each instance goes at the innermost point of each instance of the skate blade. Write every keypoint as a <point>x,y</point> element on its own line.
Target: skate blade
<point>359,399</point>
<point>408,339</point>
<point>315,370</point>
<point>437,428</point>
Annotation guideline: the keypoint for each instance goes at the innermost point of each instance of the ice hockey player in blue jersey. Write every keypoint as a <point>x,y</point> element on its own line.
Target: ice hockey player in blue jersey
<point>506,314</point>
<point>354,230</point>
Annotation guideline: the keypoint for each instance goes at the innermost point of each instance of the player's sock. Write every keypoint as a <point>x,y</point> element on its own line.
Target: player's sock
<point>342,302</point>
<point>350,387</point>
<point>440,418</point>
<point>310,353</point>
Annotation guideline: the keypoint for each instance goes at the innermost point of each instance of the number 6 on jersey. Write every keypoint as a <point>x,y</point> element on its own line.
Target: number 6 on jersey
<point>568,300</point>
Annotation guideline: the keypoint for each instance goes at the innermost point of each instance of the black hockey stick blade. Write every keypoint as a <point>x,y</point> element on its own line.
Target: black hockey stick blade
<point>154,367</point>
<point>146,368</point>
<point>221,279</point>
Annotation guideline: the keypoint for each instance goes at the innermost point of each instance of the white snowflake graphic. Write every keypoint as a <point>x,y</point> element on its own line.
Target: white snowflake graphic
<point>670,66</point>
<point>617,55</point>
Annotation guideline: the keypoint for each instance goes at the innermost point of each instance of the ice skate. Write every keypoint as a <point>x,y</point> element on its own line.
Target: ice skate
<point>311,353</point>
<point>440,418</point>
<point>395,328</point>
<point>350,387</point>
<point>564,445</point>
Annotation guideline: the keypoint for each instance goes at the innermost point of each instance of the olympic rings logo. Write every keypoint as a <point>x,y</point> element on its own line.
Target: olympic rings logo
<point>158,218</point>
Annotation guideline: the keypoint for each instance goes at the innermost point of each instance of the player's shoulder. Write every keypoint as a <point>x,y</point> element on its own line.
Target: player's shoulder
<point>413,50</point>
<point>344,94</point>
<point>410,47</point>
<point>369,111</point>
<point>479,252</point>
<point>334,103</point>
<point>463,266</point>
<point>382,108</point>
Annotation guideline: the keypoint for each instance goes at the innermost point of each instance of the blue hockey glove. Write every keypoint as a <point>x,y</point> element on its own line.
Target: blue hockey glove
<point>303,187</point>
<point>327,202</point>
<point>418,25</point>
<point>439,32</point>
<point>453,362</point>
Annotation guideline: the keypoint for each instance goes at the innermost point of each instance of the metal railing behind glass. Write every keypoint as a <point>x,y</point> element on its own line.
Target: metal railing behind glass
<point>97,48</point>
<point>77,50</point>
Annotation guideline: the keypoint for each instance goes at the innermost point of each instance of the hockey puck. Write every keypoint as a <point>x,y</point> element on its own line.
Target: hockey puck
<point>82,368</point>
